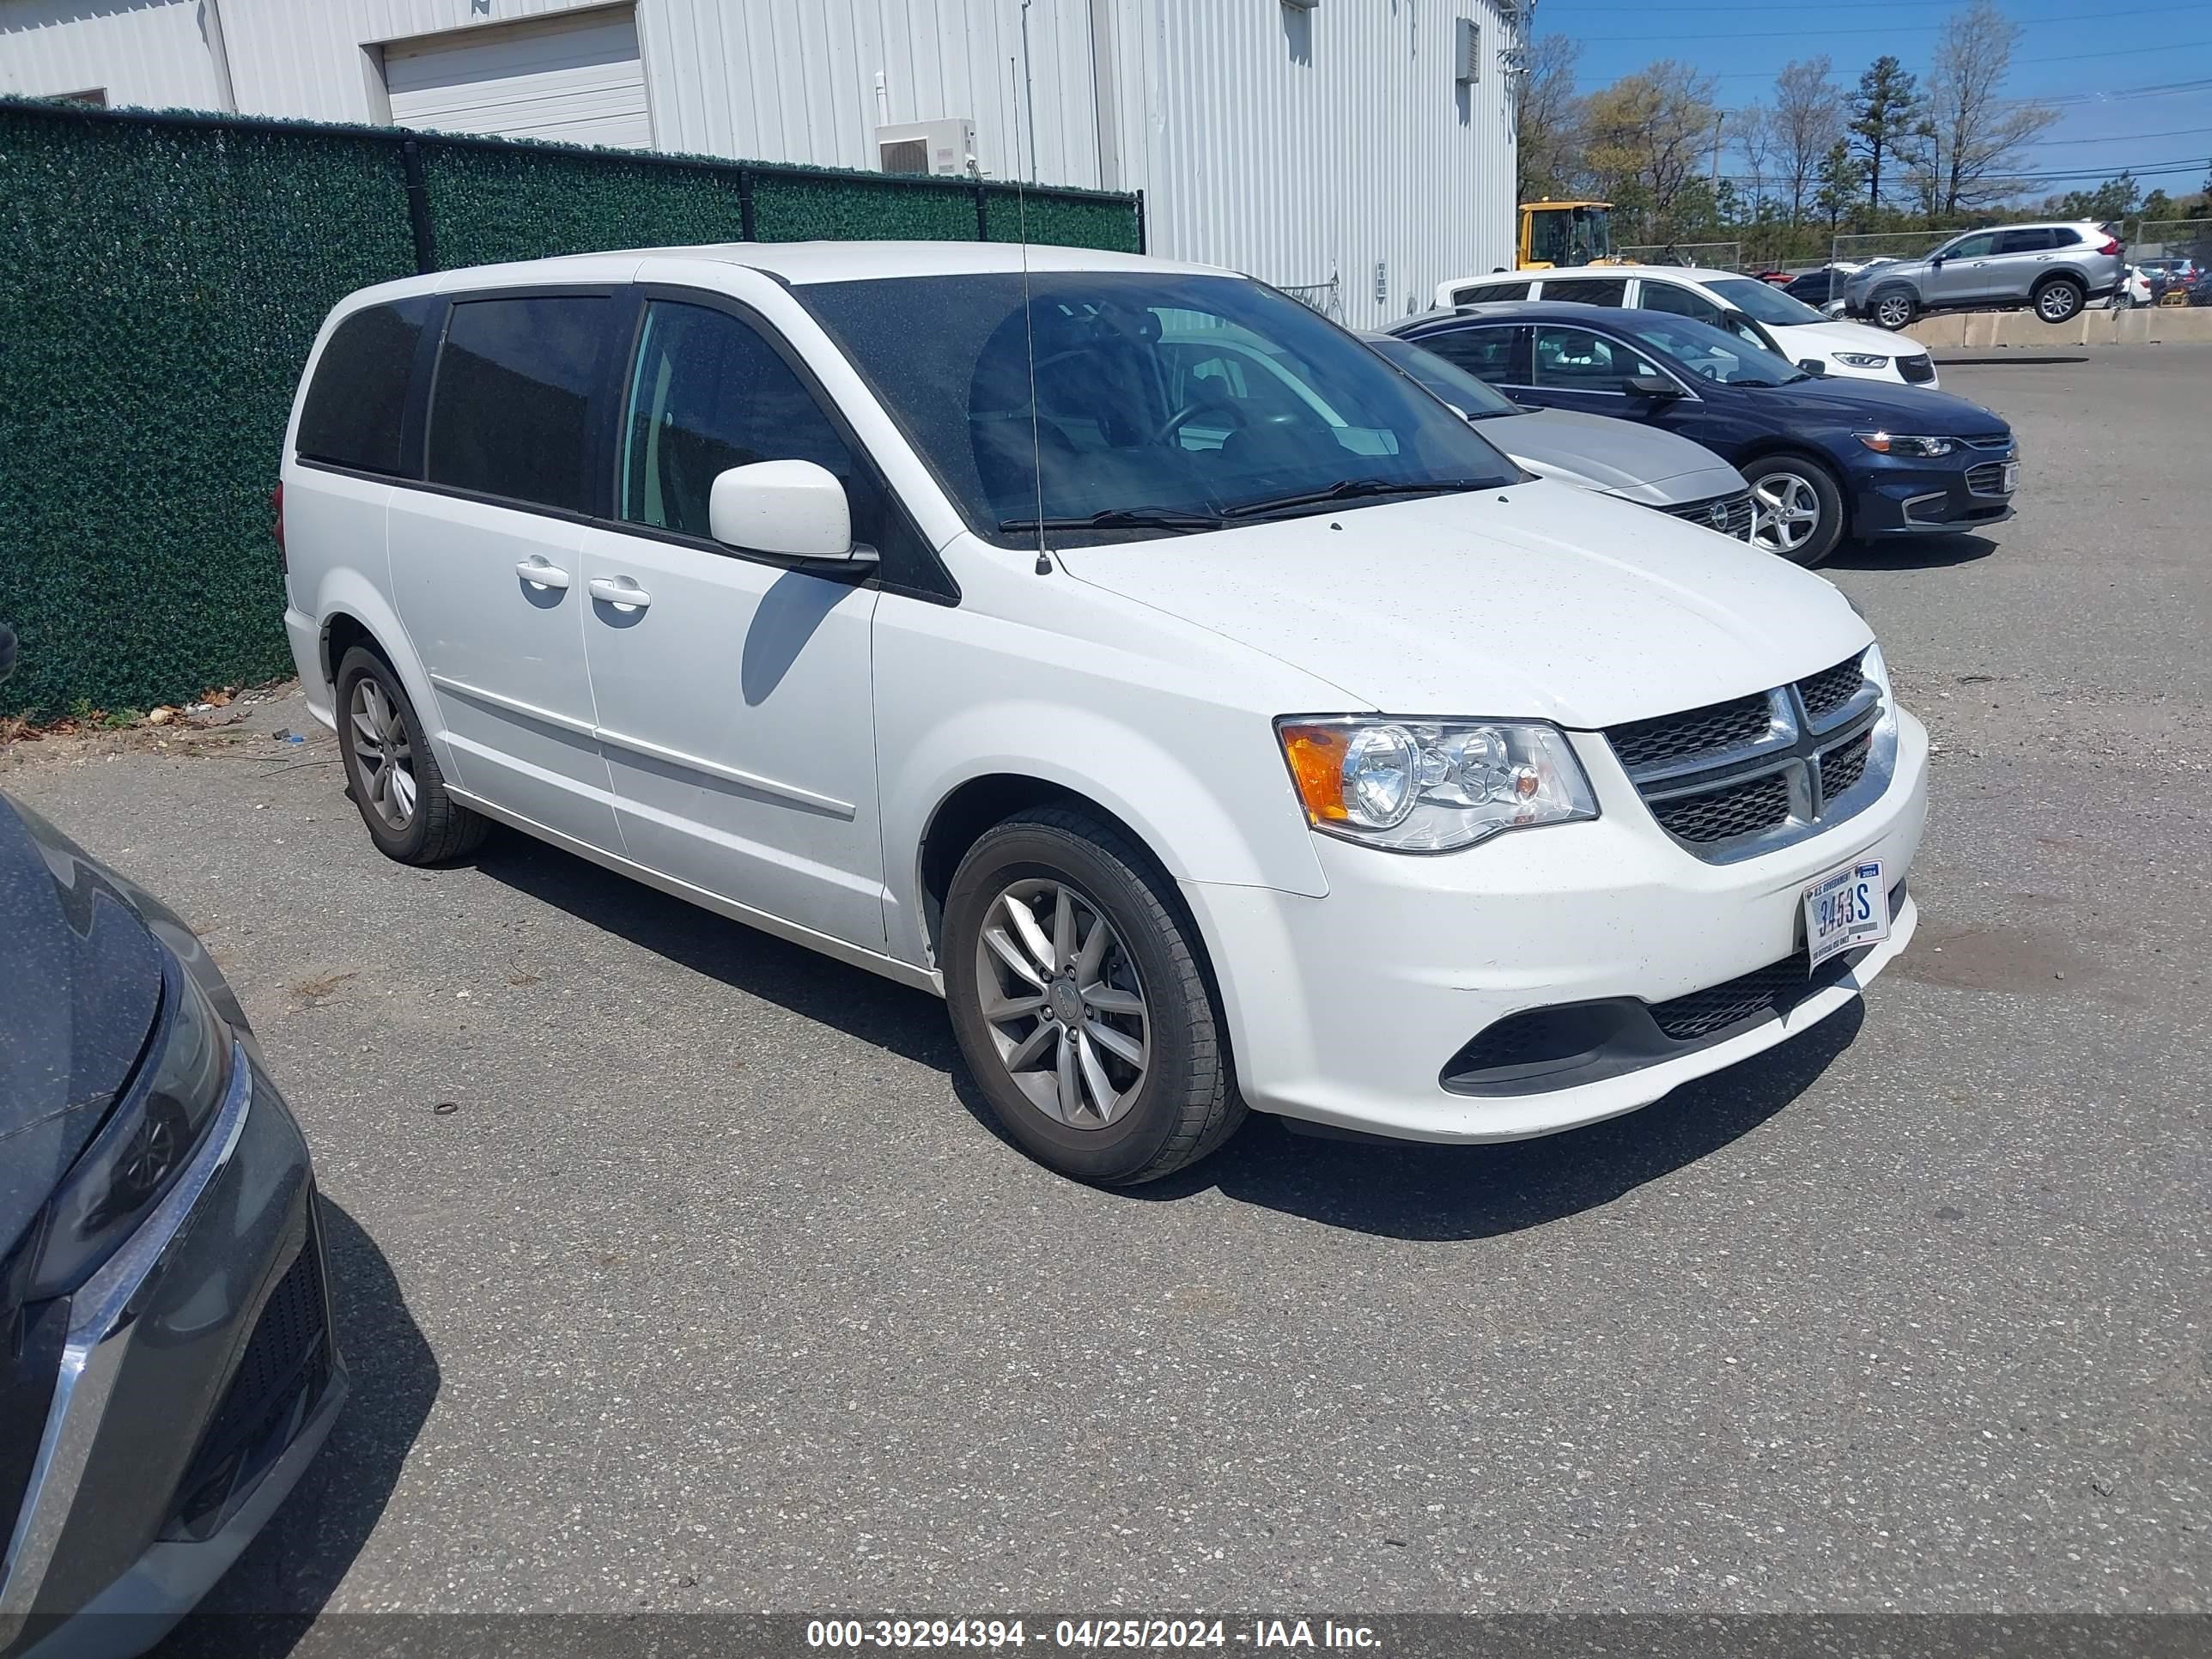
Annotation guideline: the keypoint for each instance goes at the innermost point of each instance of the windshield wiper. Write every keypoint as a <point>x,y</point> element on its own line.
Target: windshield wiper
<point>1121,518</point>
<point>1346,490</point>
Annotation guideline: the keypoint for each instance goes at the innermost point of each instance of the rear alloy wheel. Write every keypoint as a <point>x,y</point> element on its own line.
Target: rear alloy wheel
<point>1073,974</point>
<point>2060,299</point>
<point>1796,508</point>
<point>391,773</point>
<point>1895,309</point>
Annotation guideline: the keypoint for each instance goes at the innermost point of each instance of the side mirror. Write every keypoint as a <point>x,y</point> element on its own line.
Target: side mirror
<point>797,509</point>
<point>7,650</point>
<point>1653,386</point>
<point>1936,259</point>
<point>1812,366</point>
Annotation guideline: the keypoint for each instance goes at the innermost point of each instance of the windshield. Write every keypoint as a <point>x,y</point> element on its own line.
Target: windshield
<point>1472,398</point>
<point>1570,236</point>
<point>1763,303</point>
<point>1711,354</point>
<point>1161,401</point>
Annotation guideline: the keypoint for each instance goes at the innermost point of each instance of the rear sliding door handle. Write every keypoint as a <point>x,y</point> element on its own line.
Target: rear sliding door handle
<point>535,571</point>
<point>619,589</point>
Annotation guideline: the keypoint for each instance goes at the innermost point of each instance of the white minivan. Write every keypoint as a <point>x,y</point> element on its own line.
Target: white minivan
<point>973,618</point>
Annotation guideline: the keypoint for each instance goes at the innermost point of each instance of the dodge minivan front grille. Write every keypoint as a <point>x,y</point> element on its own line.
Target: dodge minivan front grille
<point>1733,779</point>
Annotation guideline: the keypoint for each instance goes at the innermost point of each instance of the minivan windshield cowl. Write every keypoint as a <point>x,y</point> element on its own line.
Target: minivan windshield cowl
<point>1116,405</point>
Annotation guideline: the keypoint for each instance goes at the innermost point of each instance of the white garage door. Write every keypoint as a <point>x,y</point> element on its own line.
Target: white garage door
<point>575,79</point>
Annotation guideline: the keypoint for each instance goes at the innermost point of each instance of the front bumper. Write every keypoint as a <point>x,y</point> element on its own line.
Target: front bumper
<point>1893,497</point>
<point>1347,1010</point>
<point>199,1375</point>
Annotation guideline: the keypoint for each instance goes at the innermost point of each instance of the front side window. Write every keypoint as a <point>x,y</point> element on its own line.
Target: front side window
<point>1576,360</point>
<point>356,400</point>
<point>1137,393</point>
<point>1972,247</point>
<point>707,393</point>
<point>1585,290</point>
<point>1681,301</point>
<point>510,410</point>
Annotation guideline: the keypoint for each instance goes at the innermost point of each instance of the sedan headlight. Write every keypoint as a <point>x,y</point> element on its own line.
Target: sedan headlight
<point>1891,443</point>
<point>1861,360</point>
<point>1417,785</point>
<point>145,1145</point>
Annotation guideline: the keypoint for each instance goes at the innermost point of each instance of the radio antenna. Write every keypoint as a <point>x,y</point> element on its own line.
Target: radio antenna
<point>1028,321</point>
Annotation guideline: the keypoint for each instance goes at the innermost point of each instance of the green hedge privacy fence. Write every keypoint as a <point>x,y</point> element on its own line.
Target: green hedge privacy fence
<point>165,275</point>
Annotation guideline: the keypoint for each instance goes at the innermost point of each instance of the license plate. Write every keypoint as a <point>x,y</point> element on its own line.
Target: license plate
<point>1845,907</point>
<point>2011,476</point>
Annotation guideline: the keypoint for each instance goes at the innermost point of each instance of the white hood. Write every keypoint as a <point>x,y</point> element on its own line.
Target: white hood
<point>1825,339</point>
<point>1539,600</point>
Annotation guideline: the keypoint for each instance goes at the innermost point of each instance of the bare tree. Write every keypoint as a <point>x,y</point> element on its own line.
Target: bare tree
<point>1648,135</point>
<point>1969,154</point>
<point>1547,119</point>
<point>1751,128</point>
<point>1808,120</point>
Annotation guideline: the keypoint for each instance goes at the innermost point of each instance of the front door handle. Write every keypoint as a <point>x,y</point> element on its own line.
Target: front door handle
<point>536,572</point>
<point>619,589</point>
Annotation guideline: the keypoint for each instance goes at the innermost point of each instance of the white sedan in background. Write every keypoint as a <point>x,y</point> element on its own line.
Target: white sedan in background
<point>1722,298</point>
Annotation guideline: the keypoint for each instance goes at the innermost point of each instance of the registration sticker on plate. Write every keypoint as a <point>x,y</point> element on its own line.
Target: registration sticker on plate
<point>1845,907</point>
<point>2011,476</point>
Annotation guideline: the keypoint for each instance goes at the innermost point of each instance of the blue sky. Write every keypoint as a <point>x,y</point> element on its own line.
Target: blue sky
<point>2094,63</point>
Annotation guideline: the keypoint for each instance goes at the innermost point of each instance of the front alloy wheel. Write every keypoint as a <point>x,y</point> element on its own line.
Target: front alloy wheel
<point>1894,311</point>
<point>1785,514</point>
<point>1064,1005</point>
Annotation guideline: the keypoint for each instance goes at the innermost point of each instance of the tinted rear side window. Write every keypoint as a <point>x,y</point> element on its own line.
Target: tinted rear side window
<point>1484,293</point>
<point>510,410</point>
<point>1586,290</point>
<point>359,394</point>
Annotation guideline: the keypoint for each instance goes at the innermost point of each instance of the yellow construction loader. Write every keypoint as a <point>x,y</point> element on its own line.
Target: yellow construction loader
<point>1565,233</point>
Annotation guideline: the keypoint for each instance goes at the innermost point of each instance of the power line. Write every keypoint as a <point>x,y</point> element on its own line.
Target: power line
<point>2129,138</point>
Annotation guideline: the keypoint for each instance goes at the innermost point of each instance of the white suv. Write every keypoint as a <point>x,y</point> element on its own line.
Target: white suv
<point>1805,336</point>
<point>988,628</point>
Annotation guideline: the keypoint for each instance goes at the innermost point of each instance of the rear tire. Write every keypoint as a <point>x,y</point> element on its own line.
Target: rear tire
<point>1894,308</point>
<point>1101,1053</point>
<point>2060,301</point>
<point>1797,507</point>
<point>390,772</point>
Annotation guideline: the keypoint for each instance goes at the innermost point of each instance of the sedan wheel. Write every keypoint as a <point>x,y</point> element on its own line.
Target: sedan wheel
<point>1066,1010</point>
<point>1785,514</point>
<point>385,756</point>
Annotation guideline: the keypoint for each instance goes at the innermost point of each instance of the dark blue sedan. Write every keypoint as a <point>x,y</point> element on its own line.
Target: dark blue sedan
<point>1826,459</point>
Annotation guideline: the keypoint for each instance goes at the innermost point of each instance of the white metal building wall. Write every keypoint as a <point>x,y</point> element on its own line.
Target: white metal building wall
<point>157,55</point>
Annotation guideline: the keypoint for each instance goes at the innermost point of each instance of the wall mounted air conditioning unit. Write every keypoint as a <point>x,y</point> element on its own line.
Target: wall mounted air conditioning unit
<point>942,147</point>
<point>1467,52</point>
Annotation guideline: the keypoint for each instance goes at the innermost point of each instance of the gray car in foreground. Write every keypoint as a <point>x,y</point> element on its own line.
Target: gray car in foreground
<point>2053,269</point>
<point>1615,458</point>
<point>166,1361</point>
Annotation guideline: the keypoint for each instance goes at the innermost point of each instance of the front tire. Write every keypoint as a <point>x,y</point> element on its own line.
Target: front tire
<point>1797,507</point>
<point>391,773</point>
<point>1895,308</point>
<point>1077,993</point>
<point>2060,301</point>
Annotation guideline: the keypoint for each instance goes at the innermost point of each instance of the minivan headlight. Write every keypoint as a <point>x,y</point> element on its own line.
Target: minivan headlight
<point>145,1145</point>
<point>1416,785</point>
<point>1891,443</point>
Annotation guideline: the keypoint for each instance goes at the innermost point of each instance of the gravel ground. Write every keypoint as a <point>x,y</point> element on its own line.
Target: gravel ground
<point>676,1273</point>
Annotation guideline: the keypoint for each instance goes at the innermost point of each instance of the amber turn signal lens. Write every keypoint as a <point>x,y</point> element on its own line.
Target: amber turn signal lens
<point>1316,758</point>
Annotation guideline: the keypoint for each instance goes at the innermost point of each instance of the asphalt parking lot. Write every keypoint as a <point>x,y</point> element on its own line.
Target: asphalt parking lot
<point>675,1271</point>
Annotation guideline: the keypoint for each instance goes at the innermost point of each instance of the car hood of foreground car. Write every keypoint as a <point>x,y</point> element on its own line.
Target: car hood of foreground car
<point>84,980</point>
<point>1537,600</point>
<point>1618,457</point>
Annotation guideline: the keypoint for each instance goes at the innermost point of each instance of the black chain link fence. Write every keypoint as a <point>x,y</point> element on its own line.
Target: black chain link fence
<point>166,274</point>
